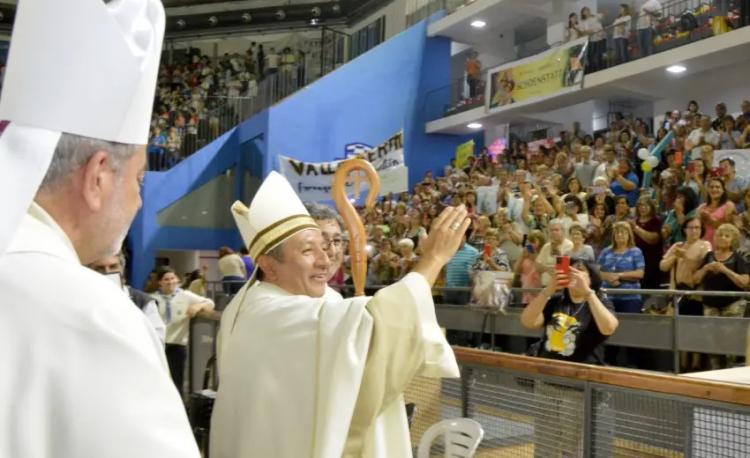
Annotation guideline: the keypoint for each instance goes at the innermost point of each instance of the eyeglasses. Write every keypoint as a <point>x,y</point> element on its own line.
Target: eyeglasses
<point>335,243</point>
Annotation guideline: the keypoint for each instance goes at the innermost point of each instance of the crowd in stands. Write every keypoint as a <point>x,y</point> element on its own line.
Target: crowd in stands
<point>198,98</point>
<point>584,195</point>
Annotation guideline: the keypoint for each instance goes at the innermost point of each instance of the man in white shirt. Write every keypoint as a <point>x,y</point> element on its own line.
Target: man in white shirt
<point>609,163</point>
<point>84,374</point>
<point>704,135</point>
<point>648,14</point>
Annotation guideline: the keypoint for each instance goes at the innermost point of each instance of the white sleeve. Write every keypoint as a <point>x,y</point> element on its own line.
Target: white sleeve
<point>153,316</point>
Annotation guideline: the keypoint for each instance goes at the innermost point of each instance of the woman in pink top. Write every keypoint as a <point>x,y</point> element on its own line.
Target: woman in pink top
<point>717,210</point>
<point>526,266</point>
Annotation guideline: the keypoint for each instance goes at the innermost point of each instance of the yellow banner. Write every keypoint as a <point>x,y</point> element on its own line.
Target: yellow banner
<point>463,152</point>
<point>541,76</point>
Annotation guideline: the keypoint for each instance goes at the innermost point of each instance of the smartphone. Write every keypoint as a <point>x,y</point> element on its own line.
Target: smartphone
<point>562,265</point>
<point>530,248</point>
<point>487,249</point>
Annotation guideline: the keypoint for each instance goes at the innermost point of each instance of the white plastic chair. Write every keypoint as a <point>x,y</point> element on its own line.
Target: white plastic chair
<point>462,437</point>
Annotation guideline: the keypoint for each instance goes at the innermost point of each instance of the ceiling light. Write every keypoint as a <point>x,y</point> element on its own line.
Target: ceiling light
<point>676,68</point>
<point>247,17</point>
<point>478,23</point>
<point>213,20</point>
<point>280,15</point>
<point>314,21</point>
<point>181,23</point>
<point>474,125</point>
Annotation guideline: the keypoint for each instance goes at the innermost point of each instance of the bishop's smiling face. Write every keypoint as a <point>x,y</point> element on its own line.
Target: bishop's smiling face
<point>304,264</point>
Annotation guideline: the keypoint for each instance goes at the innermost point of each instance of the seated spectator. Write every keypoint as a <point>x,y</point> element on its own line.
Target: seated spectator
<point>717,210</point>
<point>723,269</point>
<point>575,315</point>
<point>525,268</point>
<point>558,245</point>
<point>622,266</point>
<point>683,209</point>
<point>580,250</point>
<point>647,230</point>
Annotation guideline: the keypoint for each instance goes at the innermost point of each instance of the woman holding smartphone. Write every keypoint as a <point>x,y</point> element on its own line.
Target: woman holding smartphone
<point>576,316</point>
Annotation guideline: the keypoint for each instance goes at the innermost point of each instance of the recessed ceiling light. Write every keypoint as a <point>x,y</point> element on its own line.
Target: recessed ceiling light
<point>478,23</point>
<point>474,125</point>
<point>676,68</point>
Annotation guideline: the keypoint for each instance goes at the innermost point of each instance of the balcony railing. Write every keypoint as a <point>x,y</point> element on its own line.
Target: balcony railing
<point>677,23</point>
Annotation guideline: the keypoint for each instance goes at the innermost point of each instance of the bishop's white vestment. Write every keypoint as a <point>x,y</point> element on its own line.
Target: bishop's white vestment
<point>323,377</point>
<point>83,372</point>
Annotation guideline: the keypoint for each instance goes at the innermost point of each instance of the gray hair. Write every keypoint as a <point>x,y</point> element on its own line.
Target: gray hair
<point>320,212</point>
<point>73,151</point>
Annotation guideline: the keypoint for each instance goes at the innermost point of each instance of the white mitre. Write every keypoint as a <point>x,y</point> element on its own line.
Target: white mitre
<point>275,214</point>
<point>82,67</point>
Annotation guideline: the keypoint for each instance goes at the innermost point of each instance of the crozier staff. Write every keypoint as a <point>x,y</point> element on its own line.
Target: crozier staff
<point>306,373</point>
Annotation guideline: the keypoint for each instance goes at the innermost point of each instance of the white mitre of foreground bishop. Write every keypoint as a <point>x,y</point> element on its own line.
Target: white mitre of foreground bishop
<point>84,67</point>
<point>275,214</point>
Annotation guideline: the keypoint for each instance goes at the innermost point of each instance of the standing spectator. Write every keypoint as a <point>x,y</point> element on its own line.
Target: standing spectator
<point>608,165</point>
<point>385,265</point>
<point>621,33</point>
<point>723,269</point>
<point>721,113</point>
<point>174,143</point>
<point>301,76</point>
<point>595,231</point>
<point>585,167</point>
<point>574,30</point>
<point>571,211</point>
<point>272,62</point>
<point>682,260</point>
<point>734,185</point>
<point>592,27</point>
<point>232,269</point>
<point>703,135</point>
<point>580,249</point>
<point>625,181</point>
<point>623,266</point>
<point>648,14</point>
<point>261,56</point>
<point>695,179</point>
<point>177,307</point>
<point>728,135</point>
<point>481,226</point>
<point>647,230</point>
<point>558,245</point>
<point>526,266</point>
<point>492,257</point>
<point>717,210</point>
<point>157,149</point>
<point>408,258</point>
<point>683,209</point>
<point>457,274</point>
<point>577,322</point>
<point>473,72</point>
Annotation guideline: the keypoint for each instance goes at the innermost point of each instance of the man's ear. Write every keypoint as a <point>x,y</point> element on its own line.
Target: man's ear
<point>96,180</point>
<point>269,267</point>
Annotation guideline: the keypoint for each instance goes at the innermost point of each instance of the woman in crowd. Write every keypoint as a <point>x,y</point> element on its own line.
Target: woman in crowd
<point>717,210</point>
<point>592,27</point>
<point>481,225</point>
<point>525,269</point>
<point>416,232</point>
<point>571,211</point>
<point>723,269</point>
<point>742,221</point>
<point>492,257</point>
<point>573,31</point>
<point>557,245</point>
<point>621,214</point>
<point>647,230</point>
<point>232,269</point>
<point>575,315</point>
<point>408,257</point>
<point>595,229</point>
<point>621,33</point>
<point>573,187</point>
<point>622,266</point>
<point>683,209</point>
<point>176,307</point>
<point>624,181</point>
<point>681,261</point>
<point>510,236</point>
<point>580,250</point>
<point>385,265</point>
<point>695,178</point>
<point>728,136</point>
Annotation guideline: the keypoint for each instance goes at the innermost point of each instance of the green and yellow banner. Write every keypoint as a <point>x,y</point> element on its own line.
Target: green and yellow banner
<point>545,75</point>
<point>463,152</point>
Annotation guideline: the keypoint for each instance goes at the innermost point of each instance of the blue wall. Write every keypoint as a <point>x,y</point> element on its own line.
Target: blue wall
<point>368,100</point>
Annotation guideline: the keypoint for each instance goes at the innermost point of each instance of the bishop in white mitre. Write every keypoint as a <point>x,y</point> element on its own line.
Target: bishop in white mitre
<point>305,373</point>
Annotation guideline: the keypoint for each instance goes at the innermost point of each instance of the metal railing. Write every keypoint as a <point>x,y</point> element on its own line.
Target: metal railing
<point>672,27</point>
<point>417,10</point>
<point>536,407</point>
